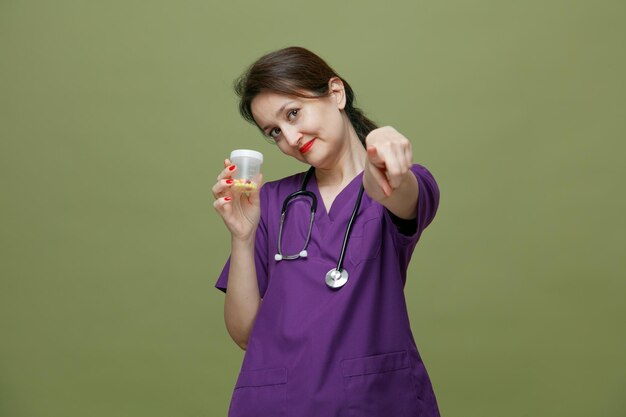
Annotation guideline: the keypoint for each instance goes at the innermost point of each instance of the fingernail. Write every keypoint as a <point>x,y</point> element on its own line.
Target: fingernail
<point>231,168</point>
<point>229,182</point>
<point>227,198</point>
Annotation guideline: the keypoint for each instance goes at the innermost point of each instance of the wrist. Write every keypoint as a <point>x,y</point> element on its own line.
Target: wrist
<point>245,241</point>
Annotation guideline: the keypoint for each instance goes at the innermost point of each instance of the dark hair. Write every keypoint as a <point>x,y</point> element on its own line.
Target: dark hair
<point>295,71</point>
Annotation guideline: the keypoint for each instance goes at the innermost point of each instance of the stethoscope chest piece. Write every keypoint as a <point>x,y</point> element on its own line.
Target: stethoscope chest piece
<point>336,278</point>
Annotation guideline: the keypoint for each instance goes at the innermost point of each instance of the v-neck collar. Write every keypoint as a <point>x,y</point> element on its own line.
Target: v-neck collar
<point>347,196</point>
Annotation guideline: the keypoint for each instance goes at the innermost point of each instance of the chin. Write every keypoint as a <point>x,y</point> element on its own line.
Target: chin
<point>317,163</point>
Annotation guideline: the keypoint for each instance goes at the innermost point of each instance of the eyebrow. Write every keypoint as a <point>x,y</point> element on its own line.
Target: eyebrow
<point>278,113</point>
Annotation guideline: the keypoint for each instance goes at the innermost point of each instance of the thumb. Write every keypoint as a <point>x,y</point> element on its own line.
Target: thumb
<point>255,195</point>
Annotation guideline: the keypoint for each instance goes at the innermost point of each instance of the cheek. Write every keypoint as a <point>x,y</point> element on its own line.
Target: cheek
<point>284,148</point>
<point>332,113</point>
<point>288,150</point>
<point>318,118</point>
<point>335,123</point>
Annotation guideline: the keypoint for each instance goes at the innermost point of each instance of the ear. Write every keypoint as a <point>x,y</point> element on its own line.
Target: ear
<point>337,92</point>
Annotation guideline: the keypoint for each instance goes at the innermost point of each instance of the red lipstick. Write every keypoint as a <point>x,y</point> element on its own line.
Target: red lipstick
<point>305,148</point>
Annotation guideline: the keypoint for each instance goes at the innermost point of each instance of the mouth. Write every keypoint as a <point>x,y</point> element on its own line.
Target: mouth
<point>305,148</point>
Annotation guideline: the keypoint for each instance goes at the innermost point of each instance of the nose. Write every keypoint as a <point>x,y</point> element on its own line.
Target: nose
<point>292,134</point>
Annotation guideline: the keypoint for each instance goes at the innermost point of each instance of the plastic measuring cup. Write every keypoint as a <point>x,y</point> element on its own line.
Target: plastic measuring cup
<point>248,169</point>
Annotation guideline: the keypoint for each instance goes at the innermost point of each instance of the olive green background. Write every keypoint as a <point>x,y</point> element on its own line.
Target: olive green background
<point>115,118</point>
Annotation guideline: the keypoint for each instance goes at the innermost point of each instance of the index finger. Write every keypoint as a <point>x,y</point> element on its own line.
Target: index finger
<point>228,171</point>
<point>375,157</point>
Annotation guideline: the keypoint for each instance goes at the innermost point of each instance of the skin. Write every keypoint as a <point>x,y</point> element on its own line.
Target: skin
<point>337,156</point>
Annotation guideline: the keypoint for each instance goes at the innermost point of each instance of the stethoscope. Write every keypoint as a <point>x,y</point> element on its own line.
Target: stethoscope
<point>336,277</point>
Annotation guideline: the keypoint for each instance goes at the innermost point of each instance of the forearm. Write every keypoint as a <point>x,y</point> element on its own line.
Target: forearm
<point>242,297</point>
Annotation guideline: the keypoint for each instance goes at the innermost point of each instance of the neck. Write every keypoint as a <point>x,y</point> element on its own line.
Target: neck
<point>349,163</point>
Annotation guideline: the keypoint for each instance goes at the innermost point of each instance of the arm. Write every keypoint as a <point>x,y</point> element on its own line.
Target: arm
<point>242,300</point>
<point>387,176</point>
<point>241,215</point>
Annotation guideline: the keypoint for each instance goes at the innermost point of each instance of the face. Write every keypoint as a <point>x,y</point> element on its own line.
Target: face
<point>312,130</point>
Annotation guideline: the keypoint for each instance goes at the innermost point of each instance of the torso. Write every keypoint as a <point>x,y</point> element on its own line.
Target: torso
<point>339,352</point>
<point>329,194</point>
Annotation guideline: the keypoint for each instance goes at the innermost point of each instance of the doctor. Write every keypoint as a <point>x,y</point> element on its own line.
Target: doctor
<point>325,329</point>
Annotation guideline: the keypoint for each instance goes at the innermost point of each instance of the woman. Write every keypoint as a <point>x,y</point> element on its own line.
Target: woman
<point>325,329</point>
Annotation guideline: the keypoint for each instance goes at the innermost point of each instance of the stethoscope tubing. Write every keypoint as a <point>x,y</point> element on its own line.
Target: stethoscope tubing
<point>283,215</point>
<point>349,229</point>
<point>337,277</point>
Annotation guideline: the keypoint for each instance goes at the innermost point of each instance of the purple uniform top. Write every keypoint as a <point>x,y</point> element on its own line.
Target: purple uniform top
<point>316,351</point>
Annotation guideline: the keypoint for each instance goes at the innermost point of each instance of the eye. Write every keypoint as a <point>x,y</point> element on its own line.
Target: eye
<point>292,114</point>
<point>274,132</point>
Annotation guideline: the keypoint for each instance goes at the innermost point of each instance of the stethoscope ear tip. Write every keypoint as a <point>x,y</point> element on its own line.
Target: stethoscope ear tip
<point>278,257</point>
<point>304,254</point>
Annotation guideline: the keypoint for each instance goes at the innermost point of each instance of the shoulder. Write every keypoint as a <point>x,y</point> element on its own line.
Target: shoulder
<point>426,180</point>
<point>273,193</point>
<point>287,184</point>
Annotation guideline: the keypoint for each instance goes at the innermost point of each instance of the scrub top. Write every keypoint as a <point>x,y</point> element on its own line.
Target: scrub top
<point>317,351</point>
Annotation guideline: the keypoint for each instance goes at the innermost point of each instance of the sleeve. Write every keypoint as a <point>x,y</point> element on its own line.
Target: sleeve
<point>406,233</point>
<point>409,231</point>
<point>260,252</point>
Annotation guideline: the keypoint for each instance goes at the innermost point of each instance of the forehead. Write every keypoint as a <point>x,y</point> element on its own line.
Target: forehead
<point>265,105</point>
